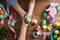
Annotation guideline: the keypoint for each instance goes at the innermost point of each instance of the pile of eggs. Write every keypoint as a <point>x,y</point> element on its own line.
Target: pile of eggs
<point>48,18</point>
<point>56,35</point>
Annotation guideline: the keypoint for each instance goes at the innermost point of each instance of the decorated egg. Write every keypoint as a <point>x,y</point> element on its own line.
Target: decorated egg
<point>57,24</point>
<point>58,8</point>
<point>37,27</point>
<point>45,14</point>
<point>48,17</point>
<point>1,12</point>
<point>0,8</point>
<point>34,21</point>
<point>43,22</point>
<point>44,26</point>
<point>55,36</point>
<point>27,20</point>
<point>58,38</point>
<point>2,22</point>
<point>12,24</point>
<point>56,31</point>
<point>51,19</point>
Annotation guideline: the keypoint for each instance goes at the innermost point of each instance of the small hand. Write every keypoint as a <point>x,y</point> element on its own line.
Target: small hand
<point>23,20</point>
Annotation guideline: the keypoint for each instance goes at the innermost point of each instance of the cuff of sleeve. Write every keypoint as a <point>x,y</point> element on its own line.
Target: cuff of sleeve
<point>11,2</point>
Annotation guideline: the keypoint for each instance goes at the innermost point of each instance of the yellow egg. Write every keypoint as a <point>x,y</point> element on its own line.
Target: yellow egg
<point>57,24</point>
<point>58,38</point>
<point>44,26</point>
<point>56,31</point>
<point>34,21</point>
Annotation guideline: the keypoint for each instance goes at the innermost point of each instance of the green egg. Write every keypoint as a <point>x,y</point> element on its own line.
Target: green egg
<point>12,24</point>
<point>43,22</point>
<point>27,20</point>
<point>58,8</point>
<point>55,36</point>
<point>45,14</point>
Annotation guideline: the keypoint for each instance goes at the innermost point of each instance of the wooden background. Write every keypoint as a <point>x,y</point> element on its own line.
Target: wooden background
<point>40,6</point>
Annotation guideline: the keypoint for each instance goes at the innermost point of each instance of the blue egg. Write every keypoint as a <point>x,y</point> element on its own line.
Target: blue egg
<point>51,19</point>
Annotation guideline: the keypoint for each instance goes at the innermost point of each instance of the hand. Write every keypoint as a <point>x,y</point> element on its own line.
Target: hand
<point>30,15</point>
<point>23,14</point>
<point>23,20</point>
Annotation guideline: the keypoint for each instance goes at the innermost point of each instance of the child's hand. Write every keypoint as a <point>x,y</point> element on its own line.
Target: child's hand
<point>29,15</point>
<point>23,20</point>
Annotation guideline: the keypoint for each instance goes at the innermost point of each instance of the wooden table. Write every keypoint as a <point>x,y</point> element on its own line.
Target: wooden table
<point>40,6</point>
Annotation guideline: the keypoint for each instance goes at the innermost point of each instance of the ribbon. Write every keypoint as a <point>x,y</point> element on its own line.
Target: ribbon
<point>9,21</point>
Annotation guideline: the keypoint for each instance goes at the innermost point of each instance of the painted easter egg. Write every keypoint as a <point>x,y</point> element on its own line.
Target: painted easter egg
<point>37,27</point>
<point>45,14</point>
<point>12,24</point>
<point>58,38</point>
<point>48,17</point>
<point>58,8</point>
<point>1,12</point>
<point>56,31</point>
<point>57,24</point>
<point>34,21</point>
<point>2,22</point>
<point>55,36</point>
<point>43,22</point>
<point>0,8</point>
<point>27,20</point>
<point>51,19</point>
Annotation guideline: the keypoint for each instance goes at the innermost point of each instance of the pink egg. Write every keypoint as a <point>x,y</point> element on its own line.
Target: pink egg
<point>2,22</point>
<point>37,27</point>
<point>0,8</point>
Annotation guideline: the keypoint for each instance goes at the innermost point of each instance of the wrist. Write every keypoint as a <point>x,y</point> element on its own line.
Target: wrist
<point>29,13</point>
<point>24,26</point>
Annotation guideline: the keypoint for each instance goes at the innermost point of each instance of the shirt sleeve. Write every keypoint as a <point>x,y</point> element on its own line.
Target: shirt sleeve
<point>11,2</point>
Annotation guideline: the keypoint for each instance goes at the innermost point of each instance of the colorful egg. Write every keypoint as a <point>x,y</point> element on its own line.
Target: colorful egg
<point>48,17</point>
<point>58,8</point>
<point>43,22</point>
<point>51,19</point>
<point>57,24</point>
<point>2,22</point>
<point>45,14</point>
<point>58,38</point>
<point>12,24</point>
<point>27,20</point>
<point>55,36</point>
<point>34,21</point>
<point>56,31</point>
<point>0,8</point>
<point>37,27</point>
<point>1,12</point>
<point>44,26</point>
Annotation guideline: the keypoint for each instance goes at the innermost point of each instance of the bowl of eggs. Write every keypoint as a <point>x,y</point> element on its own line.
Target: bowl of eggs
<point>55,34</point>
